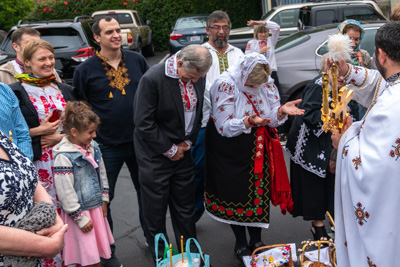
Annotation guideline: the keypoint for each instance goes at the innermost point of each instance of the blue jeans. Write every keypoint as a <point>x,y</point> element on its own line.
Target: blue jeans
<point>114,157</point>
<point>199,180</point>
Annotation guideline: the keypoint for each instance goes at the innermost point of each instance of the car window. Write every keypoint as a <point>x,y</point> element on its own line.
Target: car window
<point>367,43</point>
<point>190,23</point>
<point>138,20</point>
<point>291,41</point>
<point>122,18</point>
<point>323,17</point>
<point>264,17</point>
<point>361,14</point>
<point>287,18</point>
<point>87,27</point>
<point>61,37</point>
<point>8,46</point>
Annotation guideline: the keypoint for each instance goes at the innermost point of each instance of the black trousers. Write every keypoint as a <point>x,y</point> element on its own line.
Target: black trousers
<point>164,184</point>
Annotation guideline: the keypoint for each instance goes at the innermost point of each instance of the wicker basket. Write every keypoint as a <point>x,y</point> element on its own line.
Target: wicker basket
<point>289,264</point>
<point>332,252</point>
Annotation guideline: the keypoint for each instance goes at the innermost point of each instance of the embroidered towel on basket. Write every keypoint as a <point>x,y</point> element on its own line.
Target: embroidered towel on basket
<point>277,256</point>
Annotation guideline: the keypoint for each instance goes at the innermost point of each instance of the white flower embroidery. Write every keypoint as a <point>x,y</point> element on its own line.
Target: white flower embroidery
<point>321,156</point>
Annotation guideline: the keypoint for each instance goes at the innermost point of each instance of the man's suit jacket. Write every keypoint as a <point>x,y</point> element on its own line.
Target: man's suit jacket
<point>159,115</point>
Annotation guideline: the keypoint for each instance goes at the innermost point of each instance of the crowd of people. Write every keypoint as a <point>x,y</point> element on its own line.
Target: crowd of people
<point>201,138</point>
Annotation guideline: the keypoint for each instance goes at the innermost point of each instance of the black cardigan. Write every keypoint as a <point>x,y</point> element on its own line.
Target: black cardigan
<point>30,114</point>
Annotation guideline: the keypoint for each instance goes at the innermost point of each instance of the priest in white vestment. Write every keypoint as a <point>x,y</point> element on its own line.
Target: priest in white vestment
<point>367,193</point>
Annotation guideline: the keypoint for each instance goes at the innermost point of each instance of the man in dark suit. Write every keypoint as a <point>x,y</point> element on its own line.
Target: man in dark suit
<point>167,116</point>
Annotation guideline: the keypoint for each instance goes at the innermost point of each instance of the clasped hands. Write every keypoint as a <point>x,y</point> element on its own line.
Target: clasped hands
<point>182,148</point>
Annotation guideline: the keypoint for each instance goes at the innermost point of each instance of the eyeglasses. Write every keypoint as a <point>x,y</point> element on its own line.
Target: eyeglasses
<point>218,28</point>
<point>357,39</point>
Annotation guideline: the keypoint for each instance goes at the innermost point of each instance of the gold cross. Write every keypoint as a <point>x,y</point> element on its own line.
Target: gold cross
<point>340,111</point>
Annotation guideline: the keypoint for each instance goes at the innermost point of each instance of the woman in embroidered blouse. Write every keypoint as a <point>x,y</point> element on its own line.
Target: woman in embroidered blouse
<point>245,102</point>
<point>265,44</point>
<point>18,191</point>
<point>39,95</point>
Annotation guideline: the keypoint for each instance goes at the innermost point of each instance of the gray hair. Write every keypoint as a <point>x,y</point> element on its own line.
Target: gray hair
<point>216,16</point>
<point>195,56</point>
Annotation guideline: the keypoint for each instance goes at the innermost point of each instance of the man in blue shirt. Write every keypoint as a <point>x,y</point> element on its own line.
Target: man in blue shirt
<point>12,123</point>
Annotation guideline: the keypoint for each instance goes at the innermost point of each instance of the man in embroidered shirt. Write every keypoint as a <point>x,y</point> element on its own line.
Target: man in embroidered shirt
<point>367,172</point>
<point>19,39</point>
<point>167,116</point>
<point>223,55</point>
<point>12,122</point>
<point>108,81</point>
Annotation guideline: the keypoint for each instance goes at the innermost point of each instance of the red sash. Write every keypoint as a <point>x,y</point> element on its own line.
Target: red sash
<point>281,192</point>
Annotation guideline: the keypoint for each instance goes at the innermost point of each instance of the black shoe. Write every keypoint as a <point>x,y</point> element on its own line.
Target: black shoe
<point>319,233</point>
<point>111,262</point>
<point>242,252</point>
<point>257,245</point>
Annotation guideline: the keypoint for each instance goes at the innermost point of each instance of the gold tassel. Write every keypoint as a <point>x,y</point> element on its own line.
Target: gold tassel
<point>10,134</point>
<point>111,95</point>
<point>123,92</point>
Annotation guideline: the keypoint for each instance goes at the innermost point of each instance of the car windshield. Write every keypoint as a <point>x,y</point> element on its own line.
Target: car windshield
<point>291,41</point>
<point>190,23</point>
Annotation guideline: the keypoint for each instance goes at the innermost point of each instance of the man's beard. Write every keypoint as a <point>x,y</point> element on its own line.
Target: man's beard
<point>219,43</point>
<point>380,68</point>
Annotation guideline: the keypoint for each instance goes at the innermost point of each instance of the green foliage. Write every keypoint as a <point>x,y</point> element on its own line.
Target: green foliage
<point>12,10</point>
<point>161,13</point>
<point>239,11</point>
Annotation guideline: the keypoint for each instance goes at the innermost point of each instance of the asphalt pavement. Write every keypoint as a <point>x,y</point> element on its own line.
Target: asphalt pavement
<point>215,238</point>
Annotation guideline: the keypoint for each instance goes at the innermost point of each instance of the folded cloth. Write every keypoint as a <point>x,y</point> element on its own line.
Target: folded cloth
<point>42,215</point>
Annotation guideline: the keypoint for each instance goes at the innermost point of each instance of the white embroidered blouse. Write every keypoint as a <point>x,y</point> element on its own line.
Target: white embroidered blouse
<point>230,106</point>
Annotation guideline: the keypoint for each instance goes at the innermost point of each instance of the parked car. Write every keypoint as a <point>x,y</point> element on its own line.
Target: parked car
<point>135,34</point>
<point>298,57</point>
<point>2,35</point>
<point>293,18</point>
<point>187,30</point>
<point>72,40</point>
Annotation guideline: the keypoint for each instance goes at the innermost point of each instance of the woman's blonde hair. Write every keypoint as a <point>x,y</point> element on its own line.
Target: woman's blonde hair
<point>31,48</point>
<point>259,74</point>
<point>259,29</point>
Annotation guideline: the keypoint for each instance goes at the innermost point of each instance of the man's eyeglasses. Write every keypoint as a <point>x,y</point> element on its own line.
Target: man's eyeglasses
<point>218,28</point>
<point>357,39</point>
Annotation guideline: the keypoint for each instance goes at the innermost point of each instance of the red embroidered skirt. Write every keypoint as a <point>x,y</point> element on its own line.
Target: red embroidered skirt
<point>233,193</point>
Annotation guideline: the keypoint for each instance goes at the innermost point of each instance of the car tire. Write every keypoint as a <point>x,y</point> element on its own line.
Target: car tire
<point>139,48</point>
<point>149,51</point>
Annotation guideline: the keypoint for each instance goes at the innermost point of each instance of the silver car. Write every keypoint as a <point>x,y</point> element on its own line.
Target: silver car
<point>295,17</point>
<point>298,56</point>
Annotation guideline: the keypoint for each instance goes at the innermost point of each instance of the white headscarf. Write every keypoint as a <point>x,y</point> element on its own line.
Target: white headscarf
<point>241,70</point>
